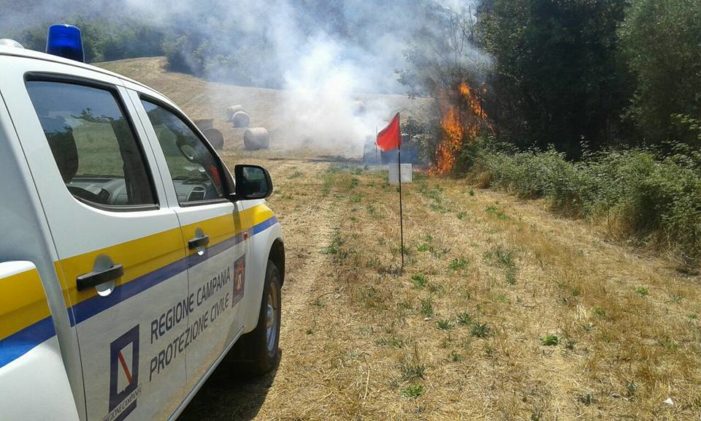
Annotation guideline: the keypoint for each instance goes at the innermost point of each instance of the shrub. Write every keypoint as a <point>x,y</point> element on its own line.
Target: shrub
<point>645,196</point>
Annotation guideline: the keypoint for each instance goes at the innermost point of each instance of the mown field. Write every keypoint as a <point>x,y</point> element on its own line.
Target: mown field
<point>503,310</point>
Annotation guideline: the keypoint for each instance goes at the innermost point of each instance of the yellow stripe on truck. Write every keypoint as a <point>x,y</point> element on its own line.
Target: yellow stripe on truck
<point>22,299</point>
<point>22,302</point>
<point>128,254</point>
<point>152,252</point>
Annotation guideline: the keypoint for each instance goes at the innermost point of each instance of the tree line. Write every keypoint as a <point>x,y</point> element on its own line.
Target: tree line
<point>593,73</point>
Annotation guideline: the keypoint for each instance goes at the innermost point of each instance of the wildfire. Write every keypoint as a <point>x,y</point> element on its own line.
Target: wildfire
<point>463,117</point>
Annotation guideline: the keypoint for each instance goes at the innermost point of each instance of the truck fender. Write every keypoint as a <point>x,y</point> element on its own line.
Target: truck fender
<point>263,245</point>
<point>33,379</point>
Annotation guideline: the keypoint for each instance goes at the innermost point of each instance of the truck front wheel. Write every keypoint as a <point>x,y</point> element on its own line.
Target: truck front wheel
<point>257,352</point>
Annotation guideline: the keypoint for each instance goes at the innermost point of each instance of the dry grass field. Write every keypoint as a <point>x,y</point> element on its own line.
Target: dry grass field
<point>503,311</point>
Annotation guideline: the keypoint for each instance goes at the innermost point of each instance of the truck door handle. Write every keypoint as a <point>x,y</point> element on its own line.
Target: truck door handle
<point>196,243</point>
<point>92,279</point>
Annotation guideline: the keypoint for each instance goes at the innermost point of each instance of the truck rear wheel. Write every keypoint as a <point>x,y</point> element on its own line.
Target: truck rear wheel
<point>257,352</point>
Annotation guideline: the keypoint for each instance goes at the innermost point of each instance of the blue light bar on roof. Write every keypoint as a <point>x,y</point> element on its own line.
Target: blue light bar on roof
<point>65,41</point>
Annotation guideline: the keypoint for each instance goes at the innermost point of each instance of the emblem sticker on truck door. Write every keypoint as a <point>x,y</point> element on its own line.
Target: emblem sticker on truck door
<point>239,279</point>
<point>124,374</point>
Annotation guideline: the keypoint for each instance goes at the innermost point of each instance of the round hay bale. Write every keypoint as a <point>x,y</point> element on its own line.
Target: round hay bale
<point>204,124</point>
<point>230,111</point>
<point>241,119</point>
<point>216,139</point>
<point>256,138</point>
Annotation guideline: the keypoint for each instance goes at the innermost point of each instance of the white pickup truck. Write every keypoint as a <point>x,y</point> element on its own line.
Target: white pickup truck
<point>131,262</point>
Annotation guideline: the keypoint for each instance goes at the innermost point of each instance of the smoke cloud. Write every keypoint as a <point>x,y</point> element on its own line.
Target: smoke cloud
<point>331,58</point>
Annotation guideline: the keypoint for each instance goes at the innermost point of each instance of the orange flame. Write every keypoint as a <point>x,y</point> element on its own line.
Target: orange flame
<point>460,123</point>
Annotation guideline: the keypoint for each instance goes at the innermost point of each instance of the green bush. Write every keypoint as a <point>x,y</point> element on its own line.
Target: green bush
<point>653,198</point>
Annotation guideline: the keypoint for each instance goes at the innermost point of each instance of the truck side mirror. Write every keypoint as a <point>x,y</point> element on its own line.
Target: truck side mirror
<point>252,182</point>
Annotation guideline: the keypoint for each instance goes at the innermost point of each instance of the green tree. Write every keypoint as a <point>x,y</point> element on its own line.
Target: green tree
<point>662,42</point>
<point>557,78</point>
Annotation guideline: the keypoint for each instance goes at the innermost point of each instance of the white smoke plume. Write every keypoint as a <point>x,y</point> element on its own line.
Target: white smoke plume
<point>323,73</point>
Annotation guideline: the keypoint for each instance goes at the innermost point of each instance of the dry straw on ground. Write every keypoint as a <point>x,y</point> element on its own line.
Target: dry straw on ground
<point>503,311</point>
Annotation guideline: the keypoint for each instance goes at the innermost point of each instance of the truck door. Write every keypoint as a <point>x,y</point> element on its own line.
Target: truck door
<point>211,226</point>
<point>121,253</point>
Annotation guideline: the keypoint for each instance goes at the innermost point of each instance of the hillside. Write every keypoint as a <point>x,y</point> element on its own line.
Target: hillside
<point>203,100</point>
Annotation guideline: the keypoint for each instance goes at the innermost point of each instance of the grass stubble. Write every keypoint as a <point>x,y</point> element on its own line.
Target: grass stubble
<point>506,312</point>
<point>503,311</point>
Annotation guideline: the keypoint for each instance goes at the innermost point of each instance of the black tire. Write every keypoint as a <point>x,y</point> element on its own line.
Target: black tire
<point>257,352</point>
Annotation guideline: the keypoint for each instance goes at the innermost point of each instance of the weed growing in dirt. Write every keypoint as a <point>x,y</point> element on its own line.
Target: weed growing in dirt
<point>373,298</point>
<point>335,246</point>
<point>504,258</point>
<point>413,391</point>
<point>372,211</point>
<point>444,324</point>
<point>511,277</point>
<point>586,398</point>
<point>426,244</point>
<point>502,298</point>
<point>458,264</point>
<point>455,357</point>
<point>423,247</point>
<point>480,330</point>
<point>392,342</point>
<point>412,368</point>
<point>356,198</point>
<point>437,207</point>
<point>419,280</point>
<point>462,215</point>
<point>427,307</point>
<point>498,213</point>
<point>550,340</point>
<point>642,291</point>
<point>431,193</point>
<point>464,319</point>
<point>669,344</point>
<point>438,253</point>
<point>373,262</point>
<point>328,181</point>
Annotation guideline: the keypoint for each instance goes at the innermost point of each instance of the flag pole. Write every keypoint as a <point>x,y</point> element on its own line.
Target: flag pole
<point>377,149</point>
<point>401,210</point>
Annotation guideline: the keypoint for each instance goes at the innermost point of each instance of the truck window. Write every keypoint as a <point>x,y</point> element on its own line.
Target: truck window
<point>194,169</point>
<point>93,144</point>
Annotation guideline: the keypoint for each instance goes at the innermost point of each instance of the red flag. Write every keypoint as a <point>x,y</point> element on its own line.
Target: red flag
<point>390,137</point>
